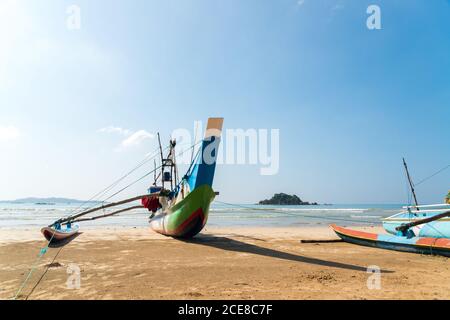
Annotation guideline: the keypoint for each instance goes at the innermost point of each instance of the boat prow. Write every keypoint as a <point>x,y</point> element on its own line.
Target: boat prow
<point>422,245</point>
<point>55,235</point>
<point>187,213</point>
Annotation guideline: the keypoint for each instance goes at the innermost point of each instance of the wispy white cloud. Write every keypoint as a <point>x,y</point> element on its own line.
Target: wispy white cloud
<point>132,138</point>
<point>300,2</point>
<point>8,133</point>
<point>112,129</point>
<point>137,138</point>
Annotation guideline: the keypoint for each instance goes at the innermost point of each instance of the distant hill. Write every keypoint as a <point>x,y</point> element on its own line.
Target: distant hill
<point>286,199</point>
<point>51,200</point>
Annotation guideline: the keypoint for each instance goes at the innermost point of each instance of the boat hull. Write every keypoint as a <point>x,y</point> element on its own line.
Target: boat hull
<point>186,218</point>
<point>422,245</point>
<point>54,235</point>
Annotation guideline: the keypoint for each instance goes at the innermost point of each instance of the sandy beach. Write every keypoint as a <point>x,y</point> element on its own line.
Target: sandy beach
<point>221,263</point>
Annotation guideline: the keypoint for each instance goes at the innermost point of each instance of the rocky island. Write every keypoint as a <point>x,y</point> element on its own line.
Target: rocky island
<point>286,199</point>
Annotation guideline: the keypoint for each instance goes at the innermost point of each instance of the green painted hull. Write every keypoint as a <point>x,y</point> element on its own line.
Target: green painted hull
<point>186,218</point>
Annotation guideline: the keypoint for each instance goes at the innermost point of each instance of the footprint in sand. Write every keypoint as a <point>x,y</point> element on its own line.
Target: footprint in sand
<point>54,265</point>
<point>194,294</point>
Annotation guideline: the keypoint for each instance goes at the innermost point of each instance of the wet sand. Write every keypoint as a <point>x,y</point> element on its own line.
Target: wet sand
<point>222,263</point>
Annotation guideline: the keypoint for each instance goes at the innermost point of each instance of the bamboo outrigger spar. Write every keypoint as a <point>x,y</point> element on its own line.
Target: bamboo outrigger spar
<point>75,217</point>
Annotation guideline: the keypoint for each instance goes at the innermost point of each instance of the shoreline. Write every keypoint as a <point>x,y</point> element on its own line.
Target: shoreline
<point>9,235</point>
<point>222,263</point>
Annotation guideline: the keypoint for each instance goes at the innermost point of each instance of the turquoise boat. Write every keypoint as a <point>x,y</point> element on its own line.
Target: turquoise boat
<point>417,228</point>
<point>421,245</point>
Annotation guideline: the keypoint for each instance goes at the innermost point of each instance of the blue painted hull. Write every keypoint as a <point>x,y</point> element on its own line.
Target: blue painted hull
<point>422,245</point>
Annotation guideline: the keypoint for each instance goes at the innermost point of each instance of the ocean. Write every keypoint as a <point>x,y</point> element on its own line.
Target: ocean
<point>26,215</point>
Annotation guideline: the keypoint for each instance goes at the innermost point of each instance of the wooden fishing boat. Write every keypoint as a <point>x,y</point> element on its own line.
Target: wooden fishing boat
<point>422,245</point>
<point>178,207</point>
<point>54,235</point>
<point>186,213</point>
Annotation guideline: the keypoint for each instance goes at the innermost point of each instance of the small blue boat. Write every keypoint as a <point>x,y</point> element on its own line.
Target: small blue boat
<point>422,245</point>
<point>419,229</point>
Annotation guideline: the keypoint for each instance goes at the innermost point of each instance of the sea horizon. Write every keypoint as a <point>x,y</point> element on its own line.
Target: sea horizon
<point>26,215</point>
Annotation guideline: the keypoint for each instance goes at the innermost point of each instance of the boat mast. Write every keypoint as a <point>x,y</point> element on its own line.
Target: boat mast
<point>169,161</point>
<point>162,158</point>
<point>411,184</point>
<point>174,161</point>
<point>154,174</point>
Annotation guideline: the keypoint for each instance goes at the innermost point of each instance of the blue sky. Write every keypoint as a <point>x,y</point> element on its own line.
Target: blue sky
<point>349,102</point>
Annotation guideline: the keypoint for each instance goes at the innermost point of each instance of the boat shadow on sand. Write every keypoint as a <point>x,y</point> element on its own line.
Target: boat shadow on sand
<point>229,244</point>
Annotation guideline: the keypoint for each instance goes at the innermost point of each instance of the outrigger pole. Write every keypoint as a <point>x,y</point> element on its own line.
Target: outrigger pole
<point>107,215</point>
<point>411,185</point>
<point>407,226</point>
<point>109,205</point>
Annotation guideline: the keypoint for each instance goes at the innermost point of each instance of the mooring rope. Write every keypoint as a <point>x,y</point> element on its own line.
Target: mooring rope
<point>43,275</point>
<point>42,252</point>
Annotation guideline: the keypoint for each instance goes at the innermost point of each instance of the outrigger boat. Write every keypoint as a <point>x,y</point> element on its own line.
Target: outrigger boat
<point>178,207</point>
<point>419,229</point>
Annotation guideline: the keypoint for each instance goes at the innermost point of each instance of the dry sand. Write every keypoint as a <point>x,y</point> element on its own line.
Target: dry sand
<point>222,263</point>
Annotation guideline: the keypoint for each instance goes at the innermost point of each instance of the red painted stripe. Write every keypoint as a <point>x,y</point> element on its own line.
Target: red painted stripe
<point>197,213</point>
<point>426,241</point>
<point>438,243</point>
<point>442,243</point>
<point>355,233</point>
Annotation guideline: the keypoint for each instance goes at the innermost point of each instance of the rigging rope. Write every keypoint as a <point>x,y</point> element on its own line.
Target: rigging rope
<point>152,155</point>
<point>434,174</point>
<point>146,175</point>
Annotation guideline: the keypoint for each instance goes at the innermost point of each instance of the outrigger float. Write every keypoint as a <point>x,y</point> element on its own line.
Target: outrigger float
<point>178,207</point>
<point>419,229</point>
